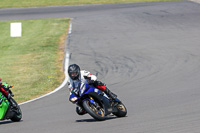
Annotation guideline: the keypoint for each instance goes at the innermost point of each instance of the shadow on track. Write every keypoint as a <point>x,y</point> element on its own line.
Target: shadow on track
<point>93,120</point>
<point>6,122</point>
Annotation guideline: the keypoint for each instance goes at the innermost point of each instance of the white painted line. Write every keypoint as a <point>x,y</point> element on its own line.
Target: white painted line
<point>66,72</point>
<point>16,29</point>
<point>70,29</point>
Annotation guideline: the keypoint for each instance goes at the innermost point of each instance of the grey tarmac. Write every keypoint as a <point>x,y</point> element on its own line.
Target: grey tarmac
<point>147,53</point>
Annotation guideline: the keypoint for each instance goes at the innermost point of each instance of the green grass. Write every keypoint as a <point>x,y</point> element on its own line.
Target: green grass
<point>33,62</point>
<point>33,3</point>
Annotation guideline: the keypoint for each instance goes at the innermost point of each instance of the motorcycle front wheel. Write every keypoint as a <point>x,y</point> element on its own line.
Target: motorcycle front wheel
<point>96,111</point>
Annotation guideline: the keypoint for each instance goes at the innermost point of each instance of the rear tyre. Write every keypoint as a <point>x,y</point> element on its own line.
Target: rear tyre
<point>121,110</point>
<point>96,112</point>
<point>18,113</point>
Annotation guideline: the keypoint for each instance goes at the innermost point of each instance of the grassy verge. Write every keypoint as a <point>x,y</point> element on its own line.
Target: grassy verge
<point>33,62</point>
<point>33,3</point>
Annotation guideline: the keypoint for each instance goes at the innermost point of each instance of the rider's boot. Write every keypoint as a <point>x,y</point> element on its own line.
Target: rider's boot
<point>101,86</point>
<point>110,94</point>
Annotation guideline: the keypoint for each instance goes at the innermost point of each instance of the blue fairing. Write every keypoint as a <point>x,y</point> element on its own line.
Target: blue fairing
<point>88,88</point>
<point>84,89</point>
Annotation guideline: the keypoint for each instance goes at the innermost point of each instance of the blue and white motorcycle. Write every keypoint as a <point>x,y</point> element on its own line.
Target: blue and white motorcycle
<point>96,103</point>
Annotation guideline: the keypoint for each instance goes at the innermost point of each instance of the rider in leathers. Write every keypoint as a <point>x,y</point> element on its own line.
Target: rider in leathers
<point>7,94</point>
<point>81,76</point>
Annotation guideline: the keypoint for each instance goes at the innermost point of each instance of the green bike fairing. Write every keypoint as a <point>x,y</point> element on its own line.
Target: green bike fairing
<point>4,104</point>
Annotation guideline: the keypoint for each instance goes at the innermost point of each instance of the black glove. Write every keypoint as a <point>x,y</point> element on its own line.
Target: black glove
<point>91,82</point>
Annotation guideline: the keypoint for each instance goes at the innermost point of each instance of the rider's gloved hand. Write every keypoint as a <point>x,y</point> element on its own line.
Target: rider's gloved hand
<point>91,82</point>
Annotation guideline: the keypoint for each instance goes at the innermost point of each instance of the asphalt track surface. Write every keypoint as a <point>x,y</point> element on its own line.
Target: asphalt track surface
<point>147,53</point>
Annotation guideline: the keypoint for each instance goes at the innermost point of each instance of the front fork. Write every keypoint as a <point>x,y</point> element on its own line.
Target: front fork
<point>92,101</point>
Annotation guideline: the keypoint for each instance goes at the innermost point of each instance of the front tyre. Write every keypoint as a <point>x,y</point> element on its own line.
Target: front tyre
<point>121,110</point>
<point>95,111</point>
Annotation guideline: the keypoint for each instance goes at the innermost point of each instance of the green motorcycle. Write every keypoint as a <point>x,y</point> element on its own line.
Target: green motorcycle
<point>7,110</point>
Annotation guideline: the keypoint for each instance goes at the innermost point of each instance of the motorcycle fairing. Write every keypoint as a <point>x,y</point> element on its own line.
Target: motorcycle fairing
<point>4,104</point>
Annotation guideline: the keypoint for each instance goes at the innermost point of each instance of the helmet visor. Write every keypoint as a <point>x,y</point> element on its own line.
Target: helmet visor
<point>73,75</point>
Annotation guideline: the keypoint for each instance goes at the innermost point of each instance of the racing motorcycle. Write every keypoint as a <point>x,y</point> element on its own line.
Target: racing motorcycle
<point>96,103</point>
<point>7,111</point>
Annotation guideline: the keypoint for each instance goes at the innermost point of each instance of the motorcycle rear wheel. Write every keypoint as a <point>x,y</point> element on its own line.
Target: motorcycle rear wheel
<point>96,113</point>
<point>18,113</point>
<point>121,110</point>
